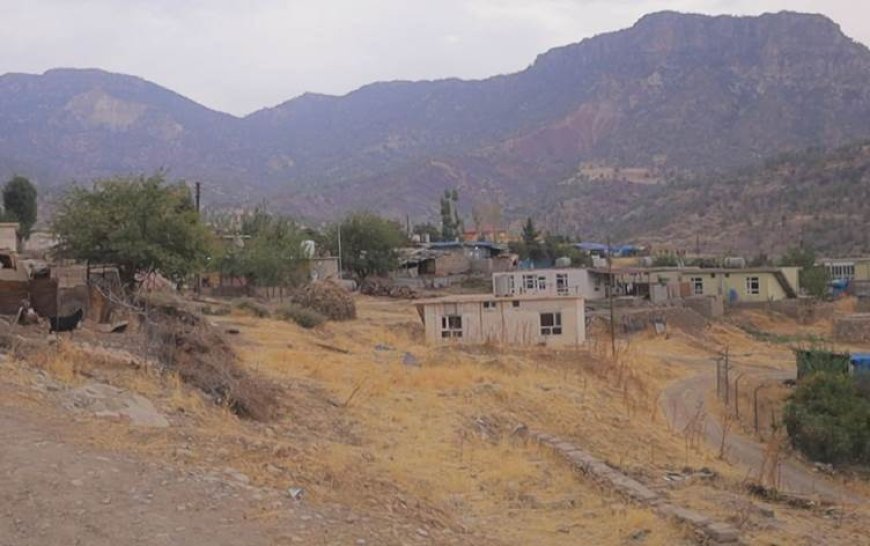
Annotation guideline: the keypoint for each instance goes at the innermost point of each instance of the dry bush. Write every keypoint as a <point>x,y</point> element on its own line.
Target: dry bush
<point>189,346</point>
<point>253,308</point>
<point>303,316</point>
<point>328,299</point>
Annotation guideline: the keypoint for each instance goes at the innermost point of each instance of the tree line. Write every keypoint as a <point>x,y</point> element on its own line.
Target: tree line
<point>146,223</point>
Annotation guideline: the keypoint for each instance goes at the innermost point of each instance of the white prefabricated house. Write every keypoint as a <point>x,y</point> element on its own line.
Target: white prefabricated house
<point>549,282</point>
<point>555,321</point>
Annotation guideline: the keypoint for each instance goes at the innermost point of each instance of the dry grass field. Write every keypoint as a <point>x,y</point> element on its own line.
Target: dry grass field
<point>407,436</point>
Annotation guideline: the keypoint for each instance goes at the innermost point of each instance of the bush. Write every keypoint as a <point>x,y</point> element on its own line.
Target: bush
<point>828,419</point>
<point>253,308</point>
<point>219,311</point>
<point>303,316</point>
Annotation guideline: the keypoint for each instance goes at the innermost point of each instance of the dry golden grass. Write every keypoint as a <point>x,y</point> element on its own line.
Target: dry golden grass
<point>365,429</point>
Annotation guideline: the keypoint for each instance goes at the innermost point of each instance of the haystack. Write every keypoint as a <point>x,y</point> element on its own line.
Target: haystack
<point>328,299</point>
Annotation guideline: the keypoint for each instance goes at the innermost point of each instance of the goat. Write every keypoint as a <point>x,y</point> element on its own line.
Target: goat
<point>67,323</point>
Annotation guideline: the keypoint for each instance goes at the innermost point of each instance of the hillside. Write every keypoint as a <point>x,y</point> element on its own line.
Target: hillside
<point>819,198</point>
<point>672,95</point>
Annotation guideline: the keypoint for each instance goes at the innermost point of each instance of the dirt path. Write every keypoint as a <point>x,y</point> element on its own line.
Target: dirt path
<point>683,400</point>
<point>54,491</point>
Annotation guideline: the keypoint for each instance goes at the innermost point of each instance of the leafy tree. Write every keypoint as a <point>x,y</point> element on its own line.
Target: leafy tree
<point>369,244</point>
<point>828,418</point>
<point>137,223</point>
<point>451,225</point>
<point>19,202</point>
<point>271,254</point>
<point>812,278</point>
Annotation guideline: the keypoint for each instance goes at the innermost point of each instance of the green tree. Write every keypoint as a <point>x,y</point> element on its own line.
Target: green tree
<point>530,233</point>
<point>137,223</point>
<point>271,252</point>
<point>19,203</point>
<point>812,278</point>
<point>451,225</point>
<point>369,244</point>
<point>828,418</point>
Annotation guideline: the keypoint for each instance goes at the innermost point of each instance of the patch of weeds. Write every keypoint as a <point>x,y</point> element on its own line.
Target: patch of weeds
<point>219,311</point>
<point>303,316</point>
<point>253,308</point>
<point>782,339</point>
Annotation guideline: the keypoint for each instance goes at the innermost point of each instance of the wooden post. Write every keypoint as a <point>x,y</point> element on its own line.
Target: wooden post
<point>610,298</point>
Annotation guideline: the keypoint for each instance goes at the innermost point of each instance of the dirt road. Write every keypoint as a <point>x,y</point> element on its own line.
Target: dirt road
<point>685,399</point>
<point>53,491</point>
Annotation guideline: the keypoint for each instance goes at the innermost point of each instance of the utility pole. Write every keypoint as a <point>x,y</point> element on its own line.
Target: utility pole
<point>197,189</point>
<point>340,276</point>
<point>610,298</point>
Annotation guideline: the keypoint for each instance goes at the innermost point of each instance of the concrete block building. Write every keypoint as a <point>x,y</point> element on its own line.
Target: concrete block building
<point>553,321</point>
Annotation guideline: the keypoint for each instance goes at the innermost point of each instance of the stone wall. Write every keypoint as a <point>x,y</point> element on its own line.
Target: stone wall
<point>852,328</point>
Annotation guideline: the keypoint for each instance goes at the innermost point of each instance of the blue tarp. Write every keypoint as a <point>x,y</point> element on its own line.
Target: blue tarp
<point>592,247</point>
<point>860,361</point>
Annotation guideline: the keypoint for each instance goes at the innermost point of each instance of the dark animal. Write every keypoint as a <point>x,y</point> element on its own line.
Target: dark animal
<point>65,324</point>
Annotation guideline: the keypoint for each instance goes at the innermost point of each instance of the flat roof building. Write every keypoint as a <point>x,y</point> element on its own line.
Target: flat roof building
<point>553,321</point>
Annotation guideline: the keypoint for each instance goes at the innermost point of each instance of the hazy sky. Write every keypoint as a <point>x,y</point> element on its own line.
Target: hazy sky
<point>238,56</point>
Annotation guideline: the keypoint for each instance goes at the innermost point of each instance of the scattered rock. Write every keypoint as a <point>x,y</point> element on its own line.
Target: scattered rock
<point>639,535</point>
<point>295,493</point>
<point>108,401</point>
<point>410,360</point>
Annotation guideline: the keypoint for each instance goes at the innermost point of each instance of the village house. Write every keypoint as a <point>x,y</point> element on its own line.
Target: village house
<point>658,285</point>
<point>9,236</point>
<point>549,282</point>
<point>553,321</point>
<point>750,285</point>
<point>847,269</point>
<point>456,258</point>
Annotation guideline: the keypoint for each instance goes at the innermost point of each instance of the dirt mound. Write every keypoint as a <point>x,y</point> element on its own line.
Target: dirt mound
<point>328,299</point>
<point>386,288</point>
<point>184,342</point>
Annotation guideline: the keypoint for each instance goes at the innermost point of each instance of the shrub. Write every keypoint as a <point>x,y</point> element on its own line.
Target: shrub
<point>253,308</point>
<point>218,311</point>
<point>303,316</point>
<point>828,419</point>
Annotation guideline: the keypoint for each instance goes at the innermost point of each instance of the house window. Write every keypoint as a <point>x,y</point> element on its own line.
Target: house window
<point>451,326</point>
<point>515,303</point>
<point>842,271</point>
<point>753,286</point>
<point>490,305</point>
<point>697,286</point>
<point>551,324</point>
<point>562,284</point>
<point>512,285</point>
<point>542,283</point>
<point>529,282</point>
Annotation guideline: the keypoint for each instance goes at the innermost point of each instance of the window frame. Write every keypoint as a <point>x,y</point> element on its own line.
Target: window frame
<point>553,326</point>
<point>451,326</point>
<point>562,284</point>
<point>530,282</point>
<point>750,290</point>
<point>696,283</point>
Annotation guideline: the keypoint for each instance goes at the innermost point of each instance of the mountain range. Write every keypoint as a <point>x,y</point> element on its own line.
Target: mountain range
<point>582,138</point>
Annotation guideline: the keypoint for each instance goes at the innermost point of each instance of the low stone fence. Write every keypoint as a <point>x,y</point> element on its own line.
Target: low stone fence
<point>852,328</point>
<point>610,478</point>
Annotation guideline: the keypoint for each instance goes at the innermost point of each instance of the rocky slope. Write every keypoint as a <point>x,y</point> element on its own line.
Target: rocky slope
<point>816,198</point>
<point>673,94</point>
